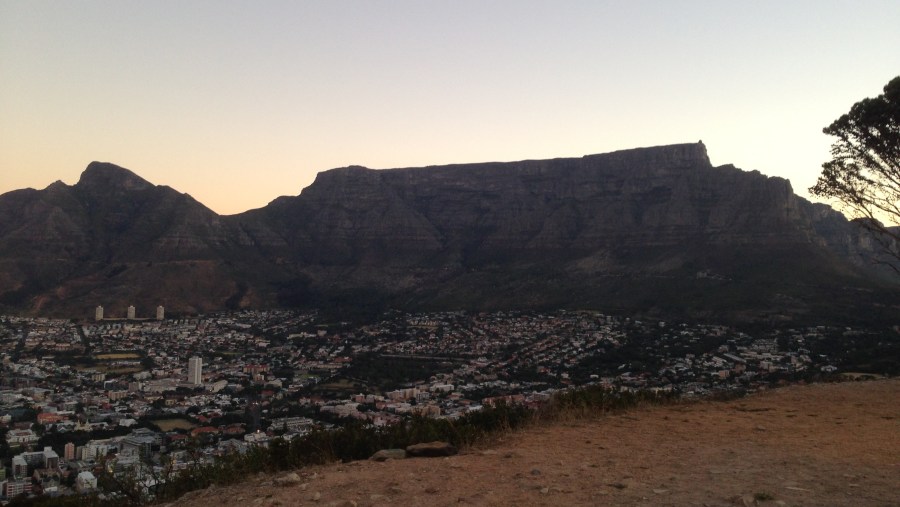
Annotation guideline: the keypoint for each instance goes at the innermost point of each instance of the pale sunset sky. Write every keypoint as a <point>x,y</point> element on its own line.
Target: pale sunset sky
<point>238,102</point>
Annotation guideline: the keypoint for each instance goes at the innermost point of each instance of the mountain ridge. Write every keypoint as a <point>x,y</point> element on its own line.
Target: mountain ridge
<point>652,229</point>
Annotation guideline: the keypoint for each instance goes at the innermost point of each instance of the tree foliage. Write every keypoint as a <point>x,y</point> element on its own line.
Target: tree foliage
<point>864,171</point>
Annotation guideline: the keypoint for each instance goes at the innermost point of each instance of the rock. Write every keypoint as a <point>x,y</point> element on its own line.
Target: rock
<point>386,454</point>
<point>317,496</point>
<point>431,450</point>
<point>290,479</point>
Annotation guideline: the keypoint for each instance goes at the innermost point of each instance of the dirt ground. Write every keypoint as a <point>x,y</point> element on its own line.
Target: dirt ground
<point>815,445</point>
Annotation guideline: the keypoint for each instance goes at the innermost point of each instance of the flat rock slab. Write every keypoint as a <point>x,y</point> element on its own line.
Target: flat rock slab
<point>431,450</point>
<point>386,454</point>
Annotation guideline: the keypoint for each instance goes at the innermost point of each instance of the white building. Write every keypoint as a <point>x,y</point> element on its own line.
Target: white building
<point>195,371</point>
<point>19,437</point>
<point>96,449</point>
<point>98,313</point>
<point>85,482</point>
<point>131,312</point>
<point>160,313</point>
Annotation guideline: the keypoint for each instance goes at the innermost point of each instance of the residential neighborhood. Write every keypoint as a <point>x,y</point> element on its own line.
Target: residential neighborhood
<point>84,400</point>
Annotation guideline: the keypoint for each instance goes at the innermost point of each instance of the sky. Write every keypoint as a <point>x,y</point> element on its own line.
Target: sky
<point>239,102</point>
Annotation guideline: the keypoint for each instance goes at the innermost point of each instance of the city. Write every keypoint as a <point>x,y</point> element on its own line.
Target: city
<point>126,395</point>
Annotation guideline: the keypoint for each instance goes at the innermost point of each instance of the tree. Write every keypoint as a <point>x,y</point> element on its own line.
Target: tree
<point>864,171</point>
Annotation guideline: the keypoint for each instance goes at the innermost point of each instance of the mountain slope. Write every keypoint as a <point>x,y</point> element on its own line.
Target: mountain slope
<point>656,230</point>
<point>112,239</point>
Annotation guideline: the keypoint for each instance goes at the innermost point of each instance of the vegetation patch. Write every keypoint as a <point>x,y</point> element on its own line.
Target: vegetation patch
<point>392,372</point>
<point>173,424</point>
<point>338,387</point>
<point>121,370</point>
<point>117,356</point>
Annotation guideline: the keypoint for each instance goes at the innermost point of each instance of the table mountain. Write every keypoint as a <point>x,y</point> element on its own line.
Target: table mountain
<point>652,230</point>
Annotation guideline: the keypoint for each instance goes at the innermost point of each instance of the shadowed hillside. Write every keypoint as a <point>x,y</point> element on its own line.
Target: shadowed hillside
<point>653,230</point>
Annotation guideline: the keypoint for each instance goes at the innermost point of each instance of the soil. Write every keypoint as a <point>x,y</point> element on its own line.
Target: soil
<point>815,445</point>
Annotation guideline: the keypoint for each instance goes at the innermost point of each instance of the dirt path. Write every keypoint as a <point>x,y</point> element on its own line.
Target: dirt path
<point>816,445</point>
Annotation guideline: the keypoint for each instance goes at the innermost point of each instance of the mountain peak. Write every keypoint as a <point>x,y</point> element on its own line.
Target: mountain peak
<point>106,175</point>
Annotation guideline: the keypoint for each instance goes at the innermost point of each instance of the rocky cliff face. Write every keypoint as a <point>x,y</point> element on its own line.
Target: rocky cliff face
<point>112,239</point>
<point>652,229</point>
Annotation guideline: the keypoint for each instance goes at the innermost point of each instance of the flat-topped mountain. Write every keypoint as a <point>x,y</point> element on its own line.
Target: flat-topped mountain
<point>653,230</point>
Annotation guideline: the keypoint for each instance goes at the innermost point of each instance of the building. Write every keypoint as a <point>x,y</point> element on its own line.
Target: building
<point>195,371</point>
<point>85,482</point>
<point>160,313</point>
<point>96,449</point>
<point>131,312</point>
<point>19,467</point>
<point>139,445</point>
<point>98,313</point>
<point>69,451</point>
<point>17,487</point>
<point>21,437</point>
<point>23,464</point>
<point>51,459</point>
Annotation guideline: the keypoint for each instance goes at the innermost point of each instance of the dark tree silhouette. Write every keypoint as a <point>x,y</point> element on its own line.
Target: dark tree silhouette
<point>864,171</point>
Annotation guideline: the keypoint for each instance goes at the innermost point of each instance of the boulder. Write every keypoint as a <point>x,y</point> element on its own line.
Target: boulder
<point>290,479</point>
<point>431,450</point>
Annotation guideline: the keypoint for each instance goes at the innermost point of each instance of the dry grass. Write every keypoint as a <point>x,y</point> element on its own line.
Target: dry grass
<point>822,444</point>
<point>174,424</point>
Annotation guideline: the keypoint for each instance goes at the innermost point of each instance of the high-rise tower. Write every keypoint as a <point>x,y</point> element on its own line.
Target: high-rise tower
<point>195,371</point>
